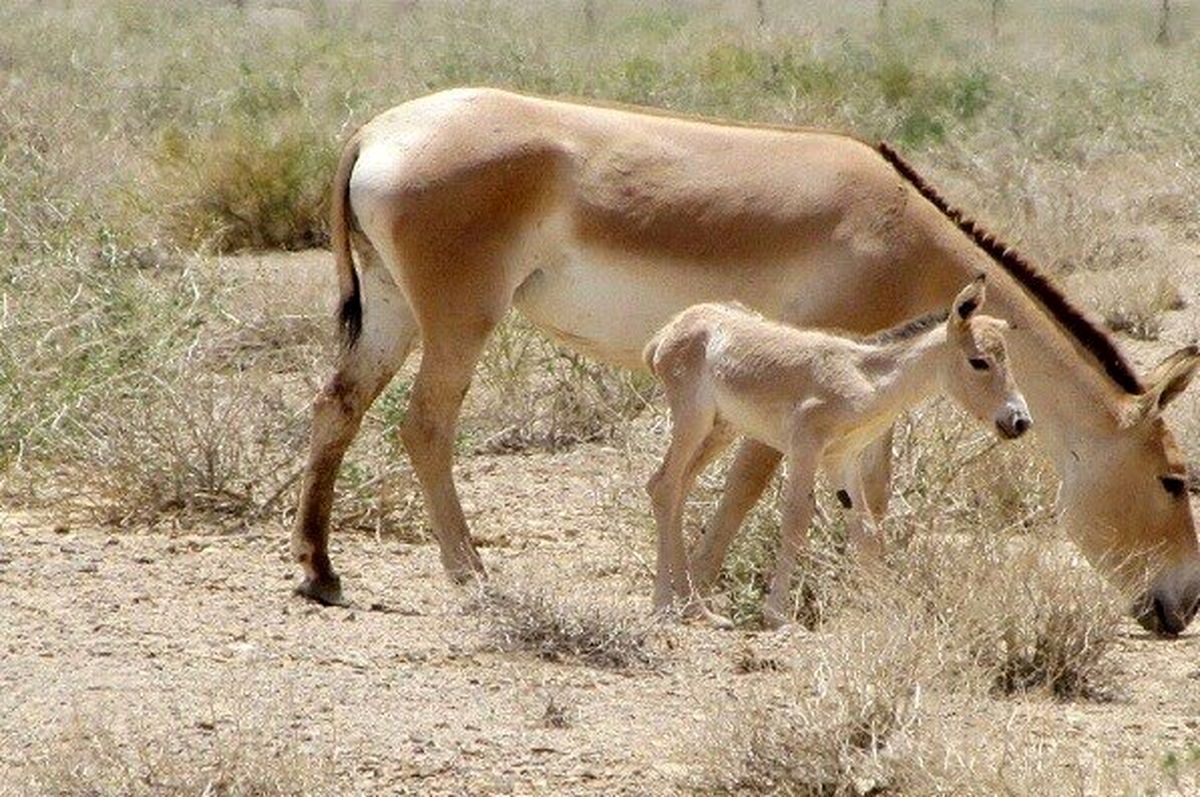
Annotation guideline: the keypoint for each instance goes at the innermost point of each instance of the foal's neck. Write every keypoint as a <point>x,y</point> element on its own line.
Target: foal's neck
<point>904,373</point>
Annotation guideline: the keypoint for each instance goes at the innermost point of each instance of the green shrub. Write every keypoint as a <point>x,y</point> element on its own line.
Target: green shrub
<point>248,187</point>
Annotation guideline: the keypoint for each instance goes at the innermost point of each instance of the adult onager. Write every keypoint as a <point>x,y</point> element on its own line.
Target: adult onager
<point>601,223</point>
<point>817,397</point>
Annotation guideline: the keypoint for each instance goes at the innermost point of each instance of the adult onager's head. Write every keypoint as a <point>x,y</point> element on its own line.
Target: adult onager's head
<point>980,380</point>
<point>1125,502</point>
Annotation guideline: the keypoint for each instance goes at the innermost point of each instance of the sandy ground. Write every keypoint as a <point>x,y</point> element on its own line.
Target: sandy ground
<point>188,638</point>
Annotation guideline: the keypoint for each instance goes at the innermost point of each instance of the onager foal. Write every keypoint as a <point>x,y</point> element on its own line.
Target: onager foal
<point>818,398</point>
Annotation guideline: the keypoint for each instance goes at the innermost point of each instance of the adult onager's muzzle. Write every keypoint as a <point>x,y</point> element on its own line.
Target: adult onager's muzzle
<point>1162,614</point>
<point>1014,421</point>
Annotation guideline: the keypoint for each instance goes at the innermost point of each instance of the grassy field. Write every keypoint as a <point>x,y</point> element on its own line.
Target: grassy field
<point>159,346</point>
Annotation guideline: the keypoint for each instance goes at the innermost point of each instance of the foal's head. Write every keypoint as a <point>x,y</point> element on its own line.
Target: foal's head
<point>977,374</point>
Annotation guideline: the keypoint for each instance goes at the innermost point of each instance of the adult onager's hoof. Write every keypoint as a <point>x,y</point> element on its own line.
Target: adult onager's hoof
<point>325,591</point>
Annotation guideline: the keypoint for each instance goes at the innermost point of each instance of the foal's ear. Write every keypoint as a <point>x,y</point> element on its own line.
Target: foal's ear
<point>1169,379</point>
<point>969,299</point>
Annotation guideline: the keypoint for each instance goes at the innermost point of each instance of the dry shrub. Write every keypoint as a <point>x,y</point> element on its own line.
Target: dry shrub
<point>846,728</point>
<point>1135,306</point>
<point>1020,611</point>
<point>558,713</point>
<point>889,704</point>
<point>247,187</point>
<point>189,441</point>
<point>89,759</point>
<point>533,395</point>
<point>536,620</point>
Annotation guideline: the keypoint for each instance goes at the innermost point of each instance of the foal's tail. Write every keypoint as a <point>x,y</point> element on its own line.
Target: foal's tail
<point>651,350</point>
<point>340,223</point>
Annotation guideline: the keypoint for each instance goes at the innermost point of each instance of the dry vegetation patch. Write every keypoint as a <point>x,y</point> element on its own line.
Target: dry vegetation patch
<point>557,627</point>
<point>89,758</point>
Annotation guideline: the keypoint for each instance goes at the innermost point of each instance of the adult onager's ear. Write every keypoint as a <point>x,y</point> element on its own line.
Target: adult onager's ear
<point>1169,379</point>
<point>969,299</point>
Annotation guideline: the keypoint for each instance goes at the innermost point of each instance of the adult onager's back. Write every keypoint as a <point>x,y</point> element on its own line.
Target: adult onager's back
<point>816,397</point>
<point>601,223</point>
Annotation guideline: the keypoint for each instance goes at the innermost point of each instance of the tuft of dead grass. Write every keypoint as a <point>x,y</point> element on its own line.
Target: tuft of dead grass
<point>559,713</point>
<point>844,729</point>
<point>537,621</point>
<point>1023,613</point>
<point>189,441</point>
<point>1136,307</point>
<point>91,759</point>
<point>247,187</point>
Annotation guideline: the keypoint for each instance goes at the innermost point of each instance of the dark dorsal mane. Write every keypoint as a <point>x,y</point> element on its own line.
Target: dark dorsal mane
<point>907,330</point>
<point>1089,334</point>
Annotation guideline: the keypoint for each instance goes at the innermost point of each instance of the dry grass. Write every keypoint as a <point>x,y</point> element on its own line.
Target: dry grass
<point>90,759</point>
<point>1025,615</point>
<point>845,727</point>
<point>1136,307</point>
<point>247,188</point>
<point>559,628</point>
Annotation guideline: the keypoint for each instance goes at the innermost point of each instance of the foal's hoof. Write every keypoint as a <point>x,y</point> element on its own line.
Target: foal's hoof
<point>699,613</point>
<point>775,620</point>
<point>325,591</point>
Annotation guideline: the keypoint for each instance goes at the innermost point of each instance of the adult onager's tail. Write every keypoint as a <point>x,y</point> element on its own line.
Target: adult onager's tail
<point>340,223</point>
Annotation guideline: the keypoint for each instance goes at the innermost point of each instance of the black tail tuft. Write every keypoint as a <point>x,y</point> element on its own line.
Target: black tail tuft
<point>350,315</point>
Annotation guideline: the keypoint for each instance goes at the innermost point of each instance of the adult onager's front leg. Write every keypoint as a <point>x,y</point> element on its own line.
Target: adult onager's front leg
<point>362,372</point>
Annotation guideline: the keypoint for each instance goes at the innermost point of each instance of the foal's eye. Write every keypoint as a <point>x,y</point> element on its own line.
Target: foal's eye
<point>978,363</point>
<point>1175,485</point>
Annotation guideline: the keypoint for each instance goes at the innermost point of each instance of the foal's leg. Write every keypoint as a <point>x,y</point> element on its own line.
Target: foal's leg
<point>797,514</point>
<point>361,373</point>
<point>691,425</point>
<point>714,445</point>
<point>749,475</point>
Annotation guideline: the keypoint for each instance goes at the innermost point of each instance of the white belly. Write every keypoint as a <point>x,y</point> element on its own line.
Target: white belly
<point>606,303</point>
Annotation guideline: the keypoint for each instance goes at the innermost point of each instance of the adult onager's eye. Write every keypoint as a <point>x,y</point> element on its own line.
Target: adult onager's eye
<point>979,364</point>
<point>1175,485</point>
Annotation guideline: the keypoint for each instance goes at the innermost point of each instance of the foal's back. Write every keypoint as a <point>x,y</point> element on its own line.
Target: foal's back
<point>753,370</point>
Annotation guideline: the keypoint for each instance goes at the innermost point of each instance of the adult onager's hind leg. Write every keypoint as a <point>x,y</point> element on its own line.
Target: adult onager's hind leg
<point>447,365</point>
<point>748,476</point>
<point>361,373</point>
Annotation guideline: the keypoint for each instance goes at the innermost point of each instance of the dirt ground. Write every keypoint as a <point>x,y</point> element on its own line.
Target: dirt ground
<point>190,637</point>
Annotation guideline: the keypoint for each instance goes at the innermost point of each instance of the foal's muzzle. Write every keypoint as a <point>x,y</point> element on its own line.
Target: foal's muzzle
<point>1013,426</point>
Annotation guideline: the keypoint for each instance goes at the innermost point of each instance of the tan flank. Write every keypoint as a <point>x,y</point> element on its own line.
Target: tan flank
<point>818,398</point>
<point>601,223</point>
